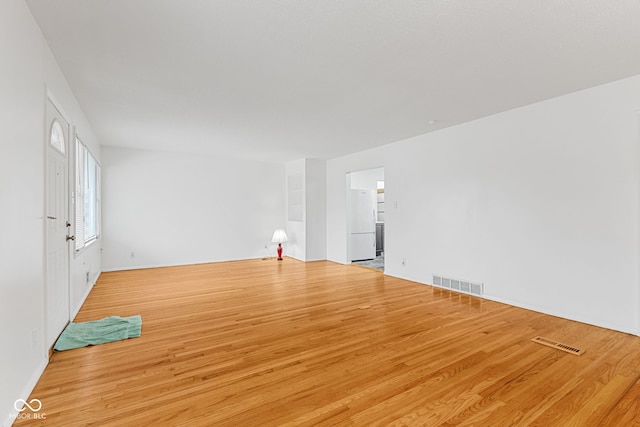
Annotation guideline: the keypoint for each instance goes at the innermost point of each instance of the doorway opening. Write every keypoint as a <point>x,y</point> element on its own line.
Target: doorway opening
<point>365,218</point>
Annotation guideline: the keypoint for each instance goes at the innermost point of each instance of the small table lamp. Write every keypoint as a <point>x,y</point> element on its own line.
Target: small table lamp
<point>279,237</point>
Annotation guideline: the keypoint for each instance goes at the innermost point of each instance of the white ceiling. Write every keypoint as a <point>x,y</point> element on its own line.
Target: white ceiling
<point>286,79</point>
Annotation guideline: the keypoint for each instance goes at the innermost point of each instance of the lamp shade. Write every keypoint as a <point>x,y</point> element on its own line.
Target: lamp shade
<point>279,236</point>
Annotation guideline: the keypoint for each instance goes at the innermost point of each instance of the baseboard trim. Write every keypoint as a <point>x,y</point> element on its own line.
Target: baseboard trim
<point>569,316</point>
<point>562,315</point>
<point>147,266</point>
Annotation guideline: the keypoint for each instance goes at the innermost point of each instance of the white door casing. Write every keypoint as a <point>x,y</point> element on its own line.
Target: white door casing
<point>57,304</point>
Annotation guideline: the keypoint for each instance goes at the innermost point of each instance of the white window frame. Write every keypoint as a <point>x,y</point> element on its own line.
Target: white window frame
<point>83,160</point>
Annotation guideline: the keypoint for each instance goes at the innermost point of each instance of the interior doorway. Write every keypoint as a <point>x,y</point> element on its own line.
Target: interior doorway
<point>365,218</point>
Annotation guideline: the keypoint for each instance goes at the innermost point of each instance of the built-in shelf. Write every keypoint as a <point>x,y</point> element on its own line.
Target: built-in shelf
<point>380,209</point>
<point>295,197</point>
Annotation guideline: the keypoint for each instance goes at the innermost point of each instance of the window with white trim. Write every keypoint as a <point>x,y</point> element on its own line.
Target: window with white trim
<point>87,197</point>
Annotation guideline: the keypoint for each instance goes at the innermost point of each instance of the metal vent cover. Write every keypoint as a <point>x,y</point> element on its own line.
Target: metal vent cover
<point>465,287</point>
<point>458,285</point>
<point>476,288</point>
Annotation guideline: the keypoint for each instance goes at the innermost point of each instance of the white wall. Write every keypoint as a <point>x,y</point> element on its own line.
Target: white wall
<point>173,209</point>
<point>316,208</point>
<point>367,179</point>
<point>22,92</point>
<point>539,203</point>
<point>27,74</point>
<point>307,238</point>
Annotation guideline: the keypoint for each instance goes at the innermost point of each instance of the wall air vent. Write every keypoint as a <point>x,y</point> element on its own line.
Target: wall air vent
<point>446,283</point>
<point>458,285</point>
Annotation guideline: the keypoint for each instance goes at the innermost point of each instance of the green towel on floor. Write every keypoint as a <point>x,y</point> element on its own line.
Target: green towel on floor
<point>109,329</point>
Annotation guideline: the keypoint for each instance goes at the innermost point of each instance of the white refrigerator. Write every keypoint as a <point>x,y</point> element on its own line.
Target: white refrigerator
<point>363,224</point>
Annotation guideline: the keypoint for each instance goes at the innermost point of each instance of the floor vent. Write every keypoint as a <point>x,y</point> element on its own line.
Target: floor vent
<point>458,285</point>
<point>557,345</point>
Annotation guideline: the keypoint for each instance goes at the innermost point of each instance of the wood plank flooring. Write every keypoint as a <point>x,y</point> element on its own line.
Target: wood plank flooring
<point>267,343</point>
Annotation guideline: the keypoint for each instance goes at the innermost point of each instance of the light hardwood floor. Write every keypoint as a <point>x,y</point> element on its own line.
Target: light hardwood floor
<point>267,343</point>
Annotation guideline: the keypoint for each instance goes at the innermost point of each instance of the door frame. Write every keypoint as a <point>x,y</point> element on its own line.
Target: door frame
<point>348,197</point>
<point>70,171</point>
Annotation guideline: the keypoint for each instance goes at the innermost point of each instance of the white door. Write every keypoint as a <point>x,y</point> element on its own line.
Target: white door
<point>58,225</point>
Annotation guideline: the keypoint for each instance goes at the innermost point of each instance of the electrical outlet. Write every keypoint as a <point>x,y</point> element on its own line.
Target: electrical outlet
<point>404,262</point>
<point>87,278</point>
<point>266,246</point>
<point>132,254</point>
